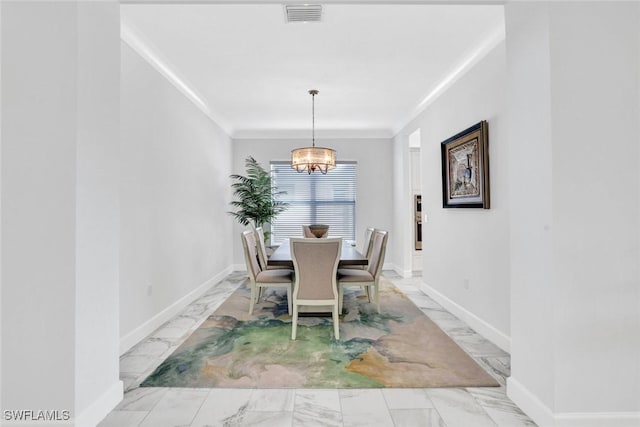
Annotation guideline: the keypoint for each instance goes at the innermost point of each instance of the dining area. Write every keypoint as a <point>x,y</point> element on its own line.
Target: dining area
<point>315,269</point>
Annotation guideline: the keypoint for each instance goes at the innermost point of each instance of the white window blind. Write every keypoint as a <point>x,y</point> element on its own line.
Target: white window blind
<point>315,199</point>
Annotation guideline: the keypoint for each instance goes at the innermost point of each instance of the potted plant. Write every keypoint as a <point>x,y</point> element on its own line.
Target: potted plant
<point>255,197</point>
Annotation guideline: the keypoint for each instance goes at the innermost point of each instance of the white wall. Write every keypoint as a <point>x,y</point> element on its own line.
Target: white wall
<point>401,254</point>
<point>38,188</point>
<point>175,234</point>
<point>374,187</point>
<point>59,312</point>
<point>586,257</point>
<point>574,73</point>
<point>531,210</point>
<point>468,244</point>
<point>1,258</point>
<point>97,211</point>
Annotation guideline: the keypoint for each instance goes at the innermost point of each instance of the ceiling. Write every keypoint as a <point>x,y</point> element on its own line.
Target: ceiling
<point>375,65</point>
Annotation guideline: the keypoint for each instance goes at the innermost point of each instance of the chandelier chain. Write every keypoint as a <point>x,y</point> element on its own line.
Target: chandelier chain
<point>313,117</point>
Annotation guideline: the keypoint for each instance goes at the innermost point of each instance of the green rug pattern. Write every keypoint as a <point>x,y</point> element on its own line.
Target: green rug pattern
<point>401,347</point>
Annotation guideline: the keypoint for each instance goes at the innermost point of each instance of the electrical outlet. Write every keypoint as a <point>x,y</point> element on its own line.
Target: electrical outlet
<point>149,290</point>
<point>465,284</point>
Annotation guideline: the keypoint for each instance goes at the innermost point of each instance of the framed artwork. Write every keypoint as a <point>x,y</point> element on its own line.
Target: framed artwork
<point>465,168</point>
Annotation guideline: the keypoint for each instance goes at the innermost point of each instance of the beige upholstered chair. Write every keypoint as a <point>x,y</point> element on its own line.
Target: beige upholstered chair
<point>260,278</point>
<point>368,279</point>
<point>366,246</point>
<point>262,252</point>
<point>306,232</point>
<point>315,263</point>
<point>366,249</point>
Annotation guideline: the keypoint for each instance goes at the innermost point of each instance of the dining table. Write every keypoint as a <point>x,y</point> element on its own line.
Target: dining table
<point>349,255</point>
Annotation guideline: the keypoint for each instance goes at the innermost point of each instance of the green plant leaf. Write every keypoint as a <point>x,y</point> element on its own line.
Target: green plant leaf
<point>255,196</point>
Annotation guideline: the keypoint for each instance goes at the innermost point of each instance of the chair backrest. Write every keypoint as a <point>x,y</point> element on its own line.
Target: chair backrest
<point>315,262</point>
<point>367,246</point>
<point>306,232</point>
<point>262,250</point>
<point>378,249</point>
<point>250,254</point>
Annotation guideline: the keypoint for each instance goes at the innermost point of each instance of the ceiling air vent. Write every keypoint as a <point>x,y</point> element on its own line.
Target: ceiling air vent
<point>303,12</point>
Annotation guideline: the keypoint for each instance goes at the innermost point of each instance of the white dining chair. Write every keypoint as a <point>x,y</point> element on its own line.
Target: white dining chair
<point>366,249</point>
<point>306,232</point>
<point>315,263</point>
<point>260,278</point>
<point>368,279</point>
<point>263,259</point>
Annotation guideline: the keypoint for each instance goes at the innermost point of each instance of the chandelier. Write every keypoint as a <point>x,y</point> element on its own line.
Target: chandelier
<point>311,159</point>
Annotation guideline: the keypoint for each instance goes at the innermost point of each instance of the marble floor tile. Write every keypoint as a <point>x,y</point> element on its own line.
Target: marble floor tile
<point>176,328</point>
<point>198,310</point>
<point>223,407</point>
<point>478,346</point>
<point>317,408</point>
<point>457,407</point>
<point>123,419</point>
<point>266,419</point>
<point>445,320</point>
<point>391,274</point>
<point>500,408</point>
<point>128,380</point>
<point>272,400</point>
<point>417,418</point>
<point>178,407</point>
<point>154,347</point>
<point>170,333</point>
<point>424,302</point>
<point>407,398</point>
<point>321,399</point>
<point>141,399</point>
<point>457,330</point>
<point>366,408</point>
<point>133,364</point>
<point>499,367</point>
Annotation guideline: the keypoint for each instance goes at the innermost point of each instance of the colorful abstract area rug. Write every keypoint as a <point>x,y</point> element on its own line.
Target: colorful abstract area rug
<point>400,347</point>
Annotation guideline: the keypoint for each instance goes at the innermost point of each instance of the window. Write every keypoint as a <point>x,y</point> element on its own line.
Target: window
<point>315,199</point>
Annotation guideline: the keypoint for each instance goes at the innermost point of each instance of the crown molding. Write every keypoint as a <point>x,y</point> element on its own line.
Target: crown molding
<point>493,39</point>
<point>356,2</point>
<point>143,47</point>
<point>306,134</point>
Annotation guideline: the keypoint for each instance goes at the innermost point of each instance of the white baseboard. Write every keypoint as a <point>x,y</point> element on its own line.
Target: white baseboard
<point>239,267</point>
<point>99,409</point>
<point>145,329</point>
<point>542,415</point>
<point>529,403</point>
<point>476,323</point>
<point>598,419</point>
<point>403,273</point>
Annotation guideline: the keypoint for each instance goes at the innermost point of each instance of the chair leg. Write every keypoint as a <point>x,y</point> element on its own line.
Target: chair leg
<point>336,326</point>
<point>377,291</point>
<point>340,297</point>
<point>367,290</point>
<point>294,322</point>
<point>289,296</point>
<point>252,299</point>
